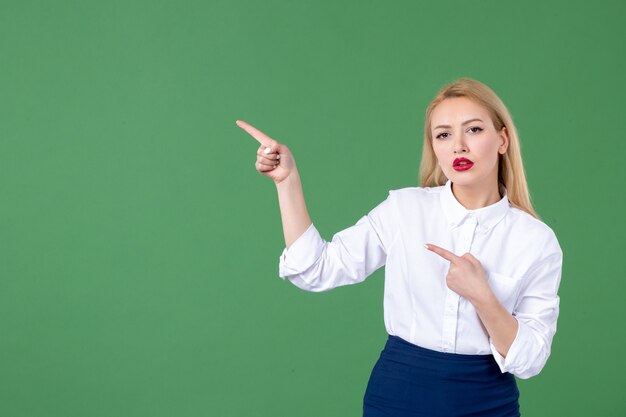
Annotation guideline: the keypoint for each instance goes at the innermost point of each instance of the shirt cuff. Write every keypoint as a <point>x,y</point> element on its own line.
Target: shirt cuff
<point>514,351</point>
<point>302,253</point>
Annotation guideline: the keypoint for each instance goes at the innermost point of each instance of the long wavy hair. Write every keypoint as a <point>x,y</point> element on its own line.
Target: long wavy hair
<point>510,166</point>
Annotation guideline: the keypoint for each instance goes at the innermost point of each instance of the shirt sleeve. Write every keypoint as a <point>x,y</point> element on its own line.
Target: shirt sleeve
<point>536,312</point>
<point>314,264</point>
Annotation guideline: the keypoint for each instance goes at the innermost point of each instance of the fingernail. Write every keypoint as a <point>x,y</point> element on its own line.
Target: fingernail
<point>277,156</point>
<point>267,150</point>
<point>426,246</point>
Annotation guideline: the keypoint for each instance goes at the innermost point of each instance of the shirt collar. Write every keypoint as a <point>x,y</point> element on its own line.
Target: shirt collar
<point>486,217</point>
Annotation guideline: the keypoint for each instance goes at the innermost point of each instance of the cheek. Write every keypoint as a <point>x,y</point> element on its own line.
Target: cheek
<point>439,151</point>
<point>487,151</point>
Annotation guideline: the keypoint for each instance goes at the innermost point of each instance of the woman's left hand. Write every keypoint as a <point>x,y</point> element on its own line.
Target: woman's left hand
<point>466,275</point>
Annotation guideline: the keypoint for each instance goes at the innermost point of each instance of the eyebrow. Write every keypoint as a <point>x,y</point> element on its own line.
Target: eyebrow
<point>465,122</point>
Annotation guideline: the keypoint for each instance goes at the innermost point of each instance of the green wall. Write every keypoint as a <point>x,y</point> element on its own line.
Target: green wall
<point>139,246</point>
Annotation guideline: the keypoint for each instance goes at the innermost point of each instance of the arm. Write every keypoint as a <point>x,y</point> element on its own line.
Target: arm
<point>308,260</point>
<point>536,313</point>
<point>314,264</point>
<point>500,324</point>
<point>295,217</point>
<point>275,161</point>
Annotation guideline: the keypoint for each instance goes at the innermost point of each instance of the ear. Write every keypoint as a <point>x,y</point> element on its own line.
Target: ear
<point>504,142</point>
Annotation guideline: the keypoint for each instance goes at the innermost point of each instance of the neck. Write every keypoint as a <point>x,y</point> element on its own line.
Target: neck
<point>473,197</point>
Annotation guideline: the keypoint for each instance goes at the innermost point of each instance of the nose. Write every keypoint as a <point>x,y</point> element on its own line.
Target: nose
<point>459,145</point>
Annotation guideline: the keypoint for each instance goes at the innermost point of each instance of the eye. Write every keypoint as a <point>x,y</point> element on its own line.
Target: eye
<point>475,127</point>
<point>439,136</point>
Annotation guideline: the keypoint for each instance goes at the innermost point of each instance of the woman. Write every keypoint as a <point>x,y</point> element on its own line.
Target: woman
<point>471,273</point>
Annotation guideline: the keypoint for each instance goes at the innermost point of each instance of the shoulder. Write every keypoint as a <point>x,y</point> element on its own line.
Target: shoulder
<point>534,231</point>
<point>411,201</point>
<point>407,200</point>
<point>415,194</point>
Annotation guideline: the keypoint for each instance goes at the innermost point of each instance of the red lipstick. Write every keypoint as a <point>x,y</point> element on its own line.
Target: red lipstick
<point>462,164</point>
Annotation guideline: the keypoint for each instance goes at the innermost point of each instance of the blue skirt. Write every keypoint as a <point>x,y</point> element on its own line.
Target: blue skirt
<point>409,380</point>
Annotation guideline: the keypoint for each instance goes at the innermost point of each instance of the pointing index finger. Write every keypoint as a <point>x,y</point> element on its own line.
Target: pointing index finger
<point>444,253</point>
<point>256,133</point>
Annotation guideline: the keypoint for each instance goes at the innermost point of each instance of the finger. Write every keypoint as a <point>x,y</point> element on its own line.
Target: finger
<point>269,156</point>
<point>270,152</point>
<point>264,167</point>
<point>444,253</point>
<point>261,137</point>
<point>470,258</point>
<point>267,161</point>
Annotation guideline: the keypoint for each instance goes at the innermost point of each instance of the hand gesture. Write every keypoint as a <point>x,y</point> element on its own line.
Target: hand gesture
<point>274,160</point>
<point>466,275</point>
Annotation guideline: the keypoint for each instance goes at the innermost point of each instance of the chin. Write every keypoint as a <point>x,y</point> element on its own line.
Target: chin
<point>470,181</point>
<point>462,178</point>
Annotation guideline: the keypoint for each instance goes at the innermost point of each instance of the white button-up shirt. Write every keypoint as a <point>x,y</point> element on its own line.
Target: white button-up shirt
<point>520,254</point>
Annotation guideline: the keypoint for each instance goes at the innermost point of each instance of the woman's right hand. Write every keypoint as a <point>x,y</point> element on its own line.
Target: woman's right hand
<point>274,160</point>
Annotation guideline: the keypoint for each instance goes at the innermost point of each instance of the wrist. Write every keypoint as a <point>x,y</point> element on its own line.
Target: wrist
<point>484,298</point>
<point>292,179</point>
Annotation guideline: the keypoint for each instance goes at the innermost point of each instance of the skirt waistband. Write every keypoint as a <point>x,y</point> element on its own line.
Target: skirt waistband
<point>442,365</point>
<point>397,343</point>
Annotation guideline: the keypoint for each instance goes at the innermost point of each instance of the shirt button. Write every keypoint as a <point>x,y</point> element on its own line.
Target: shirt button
<point>450,307</point>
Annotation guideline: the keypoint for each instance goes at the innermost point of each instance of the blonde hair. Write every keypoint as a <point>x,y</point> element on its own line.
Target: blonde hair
<point>510,167</point>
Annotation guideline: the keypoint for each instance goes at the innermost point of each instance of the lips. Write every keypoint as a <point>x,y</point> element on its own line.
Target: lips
<point>462,164</point>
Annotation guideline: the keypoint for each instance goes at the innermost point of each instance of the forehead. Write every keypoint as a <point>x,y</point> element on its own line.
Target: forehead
<point>456,110</point>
